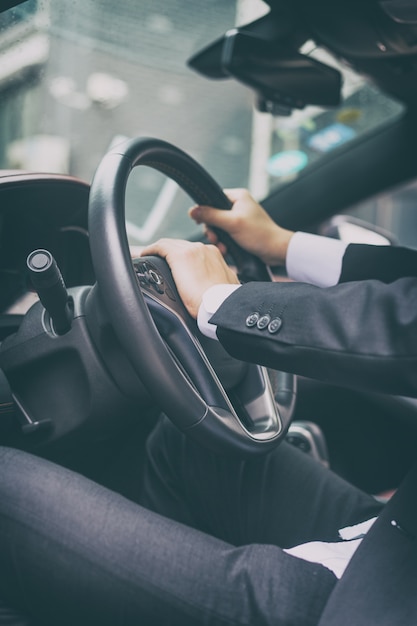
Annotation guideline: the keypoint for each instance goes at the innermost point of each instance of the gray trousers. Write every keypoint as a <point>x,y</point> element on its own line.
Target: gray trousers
<point>202,547</point>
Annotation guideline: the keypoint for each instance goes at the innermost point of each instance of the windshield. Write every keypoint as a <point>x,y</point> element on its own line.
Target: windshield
<point>78,77</point>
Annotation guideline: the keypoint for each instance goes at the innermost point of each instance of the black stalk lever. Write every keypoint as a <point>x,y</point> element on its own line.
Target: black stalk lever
<point>49,284</point>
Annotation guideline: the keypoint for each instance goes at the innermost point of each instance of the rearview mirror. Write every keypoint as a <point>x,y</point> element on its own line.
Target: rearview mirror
<point>279,76</point>
<point>265,58</point>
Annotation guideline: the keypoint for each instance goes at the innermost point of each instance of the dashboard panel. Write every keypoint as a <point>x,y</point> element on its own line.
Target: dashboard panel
<point>41,211</point>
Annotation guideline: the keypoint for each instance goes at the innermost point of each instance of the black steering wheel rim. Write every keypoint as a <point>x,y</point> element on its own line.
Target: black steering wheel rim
<point>125,305</point>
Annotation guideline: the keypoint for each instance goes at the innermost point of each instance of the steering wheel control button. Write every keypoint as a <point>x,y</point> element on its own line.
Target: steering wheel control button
<point>263,321</point>
<point>154,278</point>
<point>151,278</point>
<point>158,287</point>
<point>169,293</point>
<point>252,320</point>
<point>274,325</point>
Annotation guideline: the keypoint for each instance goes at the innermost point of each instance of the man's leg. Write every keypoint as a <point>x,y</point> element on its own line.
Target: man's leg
<point>74,553</point>
<point>284,498</point>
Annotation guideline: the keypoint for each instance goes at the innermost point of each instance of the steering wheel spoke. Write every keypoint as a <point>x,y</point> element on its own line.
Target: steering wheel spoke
<point>246,396</point>
<point>180,368</point>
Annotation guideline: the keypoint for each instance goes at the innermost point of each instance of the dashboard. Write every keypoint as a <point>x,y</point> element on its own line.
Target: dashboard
<point>40,211</point>
<point>51,211</point>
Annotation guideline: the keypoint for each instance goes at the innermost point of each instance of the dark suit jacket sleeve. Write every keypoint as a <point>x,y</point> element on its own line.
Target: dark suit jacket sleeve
<point>386,263</point>
<point>358,334</point>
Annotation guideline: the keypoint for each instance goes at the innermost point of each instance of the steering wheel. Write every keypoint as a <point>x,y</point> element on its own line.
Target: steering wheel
<point>174,361</point>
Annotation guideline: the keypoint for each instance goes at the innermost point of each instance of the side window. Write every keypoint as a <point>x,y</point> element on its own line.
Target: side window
<point>395,211</point>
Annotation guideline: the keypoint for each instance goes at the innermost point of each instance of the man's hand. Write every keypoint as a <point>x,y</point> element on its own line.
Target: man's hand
<point>248,224</point>
<point>194,266</point>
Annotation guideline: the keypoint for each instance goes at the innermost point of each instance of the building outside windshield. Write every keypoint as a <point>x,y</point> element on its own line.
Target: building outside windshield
<point>79,77</point>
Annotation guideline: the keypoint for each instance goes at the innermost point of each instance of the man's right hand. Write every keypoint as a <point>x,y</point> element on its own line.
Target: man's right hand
<point>248,224</point>
<point>195,268</point>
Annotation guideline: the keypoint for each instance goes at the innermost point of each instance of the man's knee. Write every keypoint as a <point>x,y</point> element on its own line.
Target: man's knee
<point>27,481</point>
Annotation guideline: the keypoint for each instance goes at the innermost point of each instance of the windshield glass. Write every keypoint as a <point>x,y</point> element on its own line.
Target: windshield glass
<point>78,77</point>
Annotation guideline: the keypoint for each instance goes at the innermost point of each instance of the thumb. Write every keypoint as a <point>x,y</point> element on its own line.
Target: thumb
<point>210,216</point>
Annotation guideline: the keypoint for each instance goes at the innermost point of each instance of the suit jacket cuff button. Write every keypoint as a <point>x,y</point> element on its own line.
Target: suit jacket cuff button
<point>252,319</point>
<point>263,321</point>
<point>274,325</point>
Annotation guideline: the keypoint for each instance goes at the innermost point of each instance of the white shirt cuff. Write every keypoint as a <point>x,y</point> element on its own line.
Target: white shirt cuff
<point>213,298</point>
<point>310,259</point>
<point>334,556</point>
<point>315,259</point>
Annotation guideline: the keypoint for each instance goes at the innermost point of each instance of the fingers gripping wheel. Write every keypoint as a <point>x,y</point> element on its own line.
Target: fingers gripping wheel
<point>160,339</point>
